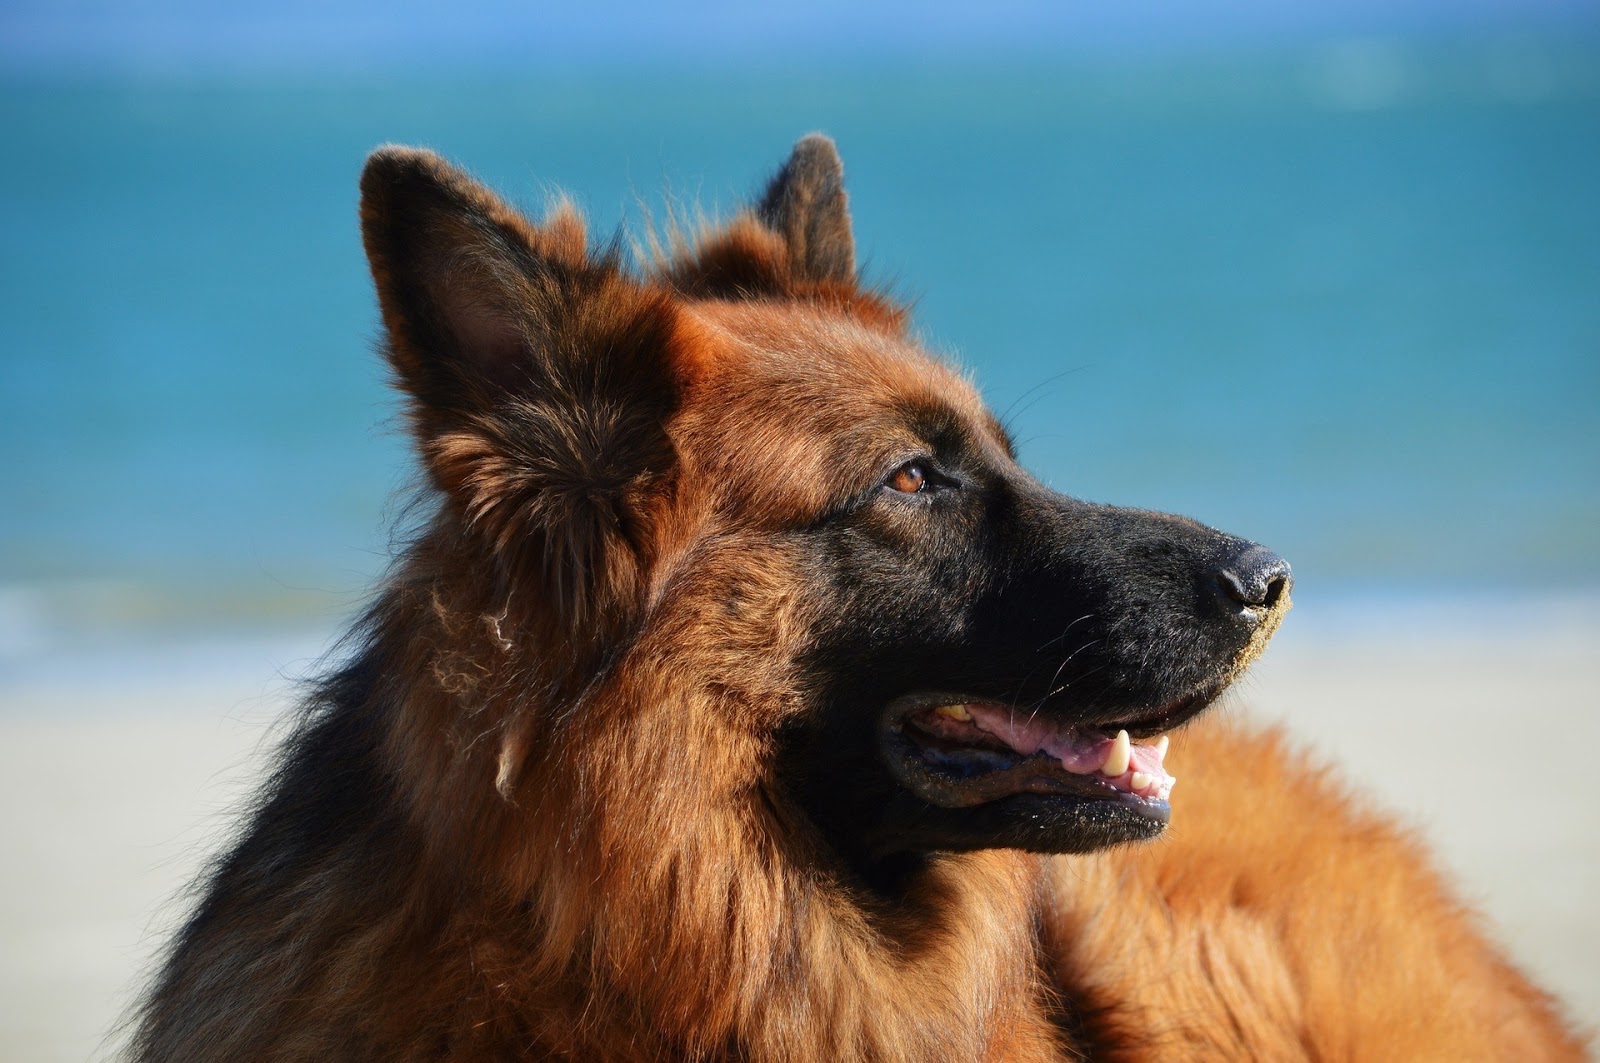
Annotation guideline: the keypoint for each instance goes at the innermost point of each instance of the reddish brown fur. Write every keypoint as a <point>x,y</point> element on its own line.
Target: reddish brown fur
<point>578,848</point>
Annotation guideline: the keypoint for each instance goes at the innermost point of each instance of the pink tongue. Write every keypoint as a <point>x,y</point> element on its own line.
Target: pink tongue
<point>1079,754</point>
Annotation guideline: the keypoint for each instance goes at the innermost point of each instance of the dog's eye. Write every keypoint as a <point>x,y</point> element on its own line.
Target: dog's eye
<point>909,478</point>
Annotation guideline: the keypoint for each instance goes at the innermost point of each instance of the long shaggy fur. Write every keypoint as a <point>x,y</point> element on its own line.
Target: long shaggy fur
<point>539,814</point>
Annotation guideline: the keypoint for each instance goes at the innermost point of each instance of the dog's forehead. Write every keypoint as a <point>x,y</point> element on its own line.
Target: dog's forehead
<point>802,405</point>
<point>829,364</point>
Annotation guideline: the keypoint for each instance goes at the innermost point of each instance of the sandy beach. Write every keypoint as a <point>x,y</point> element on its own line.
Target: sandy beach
<point>118,771</point>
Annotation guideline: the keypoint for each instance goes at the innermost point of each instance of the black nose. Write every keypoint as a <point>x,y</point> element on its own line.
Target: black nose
<point>1255,577</point>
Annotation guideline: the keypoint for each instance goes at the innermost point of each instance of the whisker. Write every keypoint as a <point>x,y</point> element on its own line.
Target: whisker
<point>1065,631</point>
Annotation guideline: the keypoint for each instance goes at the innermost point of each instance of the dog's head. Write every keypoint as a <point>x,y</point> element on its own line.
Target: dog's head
<point>731,503</point>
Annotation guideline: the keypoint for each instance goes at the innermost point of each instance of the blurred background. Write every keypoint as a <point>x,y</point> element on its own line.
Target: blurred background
<point>1324,274</point>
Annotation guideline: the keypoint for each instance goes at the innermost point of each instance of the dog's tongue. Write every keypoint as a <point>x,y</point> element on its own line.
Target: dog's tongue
<point>1134,768</point>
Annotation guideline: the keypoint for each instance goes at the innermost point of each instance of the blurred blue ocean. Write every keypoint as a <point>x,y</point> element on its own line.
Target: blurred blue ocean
<point>1343,299</point>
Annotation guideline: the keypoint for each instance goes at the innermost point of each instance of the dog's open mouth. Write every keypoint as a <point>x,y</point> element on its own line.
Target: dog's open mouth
<point>959,752</point>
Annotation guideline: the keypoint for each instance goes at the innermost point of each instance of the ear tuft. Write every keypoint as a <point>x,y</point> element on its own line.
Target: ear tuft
<point>807,205</point>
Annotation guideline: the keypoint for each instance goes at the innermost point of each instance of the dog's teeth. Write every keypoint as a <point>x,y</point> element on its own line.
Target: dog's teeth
<point>1161,748</point>
<point>955,712</point>
<point>1117,759</point>
<point>1139,781</point>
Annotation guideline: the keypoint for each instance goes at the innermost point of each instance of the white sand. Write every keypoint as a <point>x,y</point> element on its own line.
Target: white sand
<point>1471,719</point>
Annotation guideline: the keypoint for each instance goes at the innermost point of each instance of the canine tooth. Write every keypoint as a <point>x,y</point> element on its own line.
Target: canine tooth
<point>1117,759</point>
<point>1139,781</point>
<point>955,712</point>
<point>1161,748</point>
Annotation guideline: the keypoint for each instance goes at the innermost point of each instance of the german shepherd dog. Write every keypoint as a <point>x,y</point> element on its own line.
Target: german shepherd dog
<point>742,698</point>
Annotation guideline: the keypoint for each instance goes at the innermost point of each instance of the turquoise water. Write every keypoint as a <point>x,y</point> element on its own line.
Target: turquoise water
<point>1343,301</point>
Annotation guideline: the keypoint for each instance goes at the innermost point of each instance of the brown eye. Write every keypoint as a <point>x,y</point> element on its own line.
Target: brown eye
<point>909,478</point>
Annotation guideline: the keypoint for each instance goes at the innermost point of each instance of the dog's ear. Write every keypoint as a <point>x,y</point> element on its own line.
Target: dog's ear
<point>477,301</point>
<point>806,204</point>
<point>794,244</point>
<point>541,378</point>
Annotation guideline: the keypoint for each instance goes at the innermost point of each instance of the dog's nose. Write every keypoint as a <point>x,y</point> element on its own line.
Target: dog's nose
<point>1255,578</point>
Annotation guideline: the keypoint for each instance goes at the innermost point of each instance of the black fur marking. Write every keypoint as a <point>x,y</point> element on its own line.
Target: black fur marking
<point>1004,591</point>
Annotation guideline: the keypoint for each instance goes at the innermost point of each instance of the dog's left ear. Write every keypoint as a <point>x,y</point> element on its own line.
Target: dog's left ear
<point>794,244</point>
<point>806,204</point>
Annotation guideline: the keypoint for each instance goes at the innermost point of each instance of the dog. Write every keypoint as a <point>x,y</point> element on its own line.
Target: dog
<point>742,698</point>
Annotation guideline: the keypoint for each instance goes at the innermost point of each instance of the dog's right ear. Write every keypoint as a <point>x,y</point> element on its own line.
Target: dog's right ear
<point>541,377</point>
